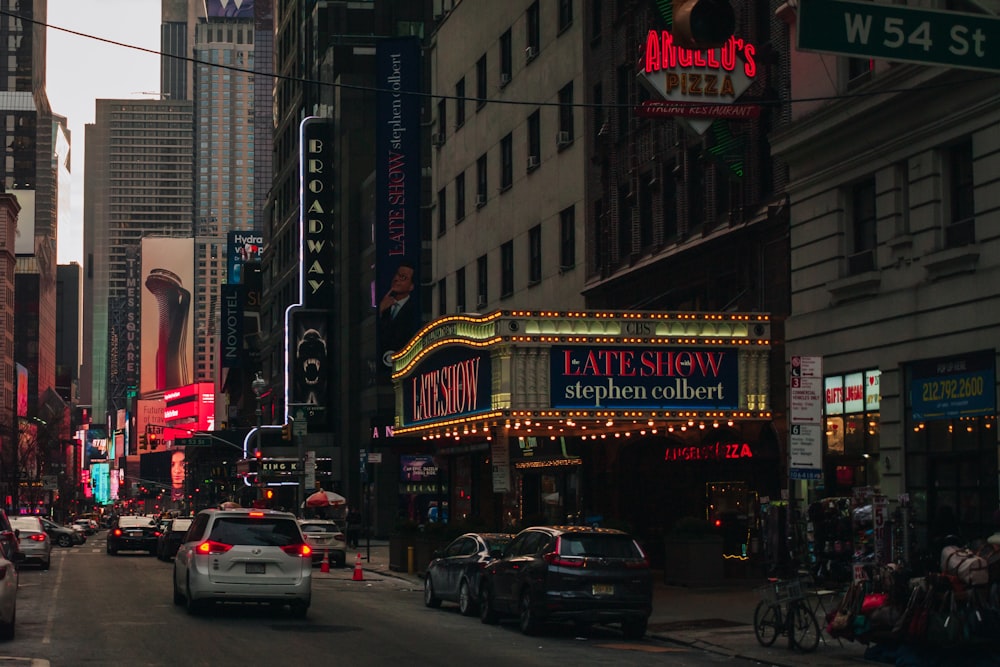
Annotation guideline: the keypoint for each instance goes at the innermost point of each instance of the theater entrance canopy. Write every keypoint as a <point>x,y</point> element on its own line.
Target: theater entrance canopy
<point>581,373</point>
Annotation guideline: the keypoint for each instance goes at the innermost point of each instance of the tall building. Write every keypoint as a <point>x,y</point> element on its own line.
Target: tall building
<point>895,261</point>
<point>8,370</point>
<point>29,172</point>
<point>139,182</point>
<point>69,331</point>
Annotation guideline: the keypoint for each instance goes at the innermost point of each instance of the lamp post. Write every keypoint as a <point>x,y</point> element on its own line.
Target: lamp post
<point>258,385</point>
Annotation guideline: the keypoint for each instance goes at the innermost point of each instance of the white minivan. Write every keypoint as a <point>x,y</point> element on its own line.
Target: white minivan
<point>244,555</point>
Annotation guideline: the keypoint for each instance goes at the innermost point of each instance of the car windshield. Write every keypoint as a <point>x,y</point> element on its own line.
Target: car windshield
<point>180,525</point>
<point>602,546</point>
<point>494,542</point>
<point>135,522</point>
<point>25,523</point>
<point>259,532</point>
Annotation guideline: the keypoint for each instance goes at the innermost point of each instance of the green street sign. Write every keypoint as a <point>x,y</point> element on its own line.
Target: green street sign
<point>193,442</point>
<point>895,32</point>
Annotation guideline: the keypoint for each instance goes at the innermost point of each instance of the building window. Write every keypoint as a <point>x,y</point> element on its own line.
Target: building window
<point>567,238</point>
<point>482,282</point>
<point>442,205</point>
<point>481,82</point>
<point>506,69</point>
<point>532,39</point>
<point>442,297</point>
<point>460,197</point>
<point>460,291</point>
<point>852,405</point>
<point>961,227</point>
<point>863,227</point>
<point>460,103</point>
<point>506,269</point>
<point>565,136</point>
<point>481,181</point>
<point>595,20</point>
<point>535,255</point>
<point>534,139</point>
<point>506,162</point>
<point>597,100</point>
<point>565,14</point>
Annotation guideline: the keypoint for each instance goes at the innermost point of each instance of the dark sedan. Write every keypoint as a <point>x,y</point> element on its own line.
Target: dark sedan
<point>453,575</point>
<point>172,533</point>
<point>61,535</point>
<point>133,533</point>
<point>569,573</point>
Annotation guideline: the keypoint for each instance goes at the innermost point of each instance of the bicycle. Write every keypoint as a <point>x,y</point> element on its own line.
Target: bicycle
<point>784,611</point>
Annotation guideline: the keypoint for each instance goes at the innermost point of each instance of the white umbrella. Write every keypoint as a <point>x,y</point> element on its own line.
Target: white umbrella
<point>326,499</point>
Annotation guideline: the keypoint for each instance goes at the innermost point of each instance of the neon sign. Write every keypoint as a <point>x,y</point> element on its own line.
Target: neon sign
<point>717,451</point>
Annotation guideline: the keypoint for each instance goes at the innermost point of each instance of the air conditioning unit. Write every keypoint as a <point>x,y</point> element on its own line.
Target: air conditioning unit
<point>437,138</point>
<point>480,201</point>
<point>533,162</point>
<point>562,139</point>
<point>504,79</point>
<point>531,53</point>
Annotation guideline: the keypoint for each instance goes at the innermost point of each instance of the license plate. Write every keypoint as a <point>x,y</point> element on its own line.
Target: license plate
<point>255,568</point>
<point>135,533</point>
<point>603,589</point>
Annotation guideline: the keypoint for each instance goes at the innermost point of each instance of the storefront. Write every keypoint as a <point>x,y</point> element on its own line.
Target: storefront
<point>619,418</point>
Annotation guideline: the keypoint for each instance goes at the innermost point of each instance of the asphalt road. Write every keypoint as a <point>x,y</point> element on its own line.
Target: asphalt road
<point>91,608</point>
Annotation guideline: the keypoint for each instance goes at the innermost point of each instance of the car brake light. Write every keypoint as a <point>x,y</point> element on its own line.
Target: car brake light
<point>301,549</point>
<point>256,515</point>
<point>117,532</point>
<point>210,547</point>
<point>38,537</point>
<point>553,558</point>
<point>156,533</point>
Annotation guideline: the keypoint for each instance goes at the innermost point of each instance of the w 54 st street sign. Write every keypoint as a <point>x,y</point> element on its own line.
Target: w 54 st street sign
<point>896,32</point>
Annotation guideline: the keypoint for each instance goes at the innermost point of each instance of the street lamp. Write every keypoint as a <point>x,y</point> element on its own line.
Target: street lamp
<point>258,385</point>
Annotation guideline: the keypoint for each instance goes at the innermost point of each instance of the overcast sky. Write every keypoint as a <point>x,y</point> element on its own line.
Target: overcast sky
<point>81,69</point>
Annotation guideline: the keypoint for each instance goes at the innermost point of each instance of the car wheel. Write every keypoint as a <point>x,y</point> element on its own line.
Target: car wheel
<point>194,607</point>
<point>65,541</point>
<point>466,603</point>
<point>635,627</point>
<point>529,620</point>
<point>299,609</point>
<point>430,600</point>
<point>178,596</point>
<point>7,629</point>
<point>487,614</point>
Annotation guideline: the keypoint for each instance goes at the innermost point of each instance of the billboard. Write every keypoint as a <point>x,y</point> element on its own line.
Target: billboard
<point>189,408</point>
<point>165,470</point>
<point>22,391</point>
<point>310,357</point>
<point>24,242</point>
<point>148,419</point>
<point>397,193</point>
<point>167,322</point>
<point>231,337</point>
<point>241,247</point>
<point>229,9</point>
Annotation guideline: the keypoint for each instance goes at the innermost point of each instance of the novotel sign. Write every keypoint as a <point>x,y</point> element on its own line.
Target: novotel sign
<point>718,76</point>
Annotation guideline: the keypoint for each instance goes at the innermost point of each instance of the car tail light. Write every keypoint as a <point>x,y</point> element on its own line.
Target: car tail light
<point>37,537</point>
<point>156,533</point>
<point>210,547</point>
<point>301,549</point>
<point>117,532</point>
<point>256,515</point>
<point>637,564</point>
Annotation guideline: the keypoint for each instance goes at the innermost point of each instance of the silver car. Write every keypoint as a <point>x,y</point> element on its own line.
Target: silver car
<point>36,545</point>
<point>244,555</point>
<point>8,589</point>
<point>326,539</point>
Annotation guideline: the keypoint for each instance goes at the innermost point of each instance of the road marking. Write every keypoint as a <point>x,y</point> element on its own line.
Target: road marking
<point>51,617</point>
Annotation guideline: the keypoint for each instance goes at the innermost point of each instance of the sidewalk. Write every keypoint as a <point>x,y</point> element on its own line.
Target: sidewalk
<point>716,619</point>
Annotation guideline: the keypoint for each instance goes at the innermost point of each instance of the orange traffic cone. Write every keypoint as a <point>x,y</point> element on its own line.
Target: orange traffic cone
<point>359,574</point>
<point>325,565</point>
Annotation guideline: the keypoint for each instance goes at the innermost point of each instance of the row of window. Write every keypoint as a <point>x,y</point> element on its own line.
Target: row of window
<point>567,260</point>
<point>959,227</point>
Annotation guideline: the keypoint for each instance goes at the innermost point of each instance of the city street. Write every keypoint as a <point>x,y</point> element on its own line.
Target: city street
<point>96,609</point>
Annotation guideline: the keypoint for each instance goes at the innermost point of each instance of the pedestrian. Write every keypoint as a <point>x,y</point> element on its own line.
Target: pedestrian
<point>353,527</point>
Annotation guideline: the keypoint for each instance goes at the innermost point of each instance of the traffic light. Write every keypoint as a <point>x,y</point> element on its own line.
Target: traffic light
<point>270,494</point>
<point>153,441</point>
<point>286,431</point>
<point>142,442</point>
<point>700,25</point>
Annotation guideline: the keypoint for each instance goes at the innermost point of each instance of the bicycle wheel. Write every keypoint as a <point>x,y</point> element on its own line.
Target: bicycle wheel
<point>805,628</point>
<point>767,622</point>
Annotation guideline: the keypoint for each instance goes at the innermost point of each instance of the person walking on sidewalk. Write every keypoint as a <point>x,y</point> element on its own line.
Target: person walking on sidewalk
<point>353,528</point>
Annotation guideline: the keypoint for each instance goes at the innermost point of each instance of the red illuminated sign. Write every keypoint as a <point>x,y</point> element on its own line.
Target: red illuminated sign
<point>654,109</point>
<point>717,451</point>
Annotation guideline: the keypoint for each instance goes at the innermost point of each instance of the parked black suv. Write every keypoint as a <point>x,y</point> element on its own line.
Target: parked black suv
<point>569,573</point>
<point>132,533</point>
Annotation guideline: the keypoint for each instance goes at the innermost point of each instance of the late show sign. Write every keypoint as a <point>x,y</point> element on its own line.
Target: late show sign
<point>660,378</point>
<point>450,383</point>
<point>699,78</point>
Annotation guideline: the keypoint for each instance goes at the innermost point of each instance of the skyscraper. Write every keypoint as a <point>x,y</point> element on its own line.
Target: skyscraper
<point>139,174</point>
